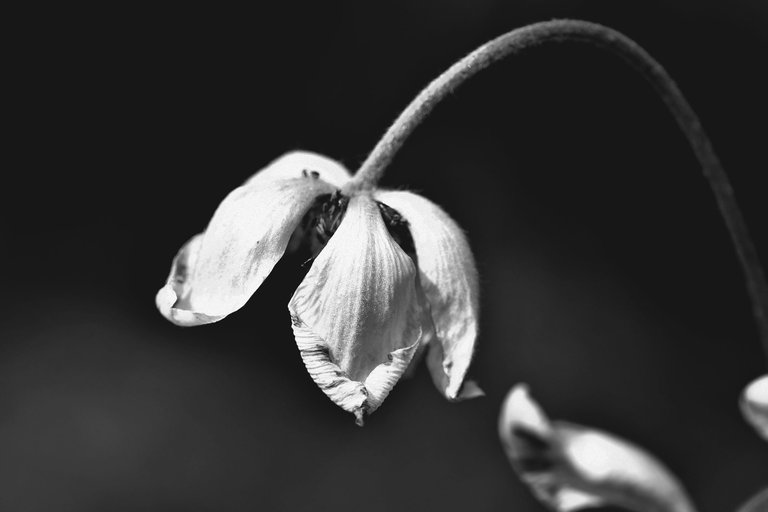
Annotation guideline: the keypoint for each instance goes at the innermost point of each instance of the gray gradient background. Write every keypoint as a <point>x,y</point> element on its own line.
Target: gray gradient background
<point>608,281</point>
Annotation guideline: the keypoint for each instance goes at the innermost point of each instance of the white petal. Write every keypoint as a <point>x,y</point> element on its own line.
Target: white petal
<point>571,499</point>
<point>620,472</point>
<point>218,271</point>
<point>383,378</point>
<point>754,405</point>
<point>449,280</point>
<point>357,315</point>
<point>351,395</point>
<point>348,394</point>
<point>172,299</point>
<point>298,163</point>
<point>570,467</point>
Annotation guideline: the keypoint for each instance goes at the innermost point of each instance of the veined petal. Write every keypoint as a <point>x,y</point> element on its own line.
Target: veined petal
<point>570,467</point>
<point>754,405</point>
<point>449,280</point>
<point>217,271</point>
<point>351,395</point>
<point>357,315</point>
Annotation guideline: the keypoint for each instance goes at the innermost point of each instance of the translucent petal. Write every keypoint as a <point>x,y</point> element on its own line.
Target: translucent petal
<point>449,280</point>
<point>217,271</point>
<point>754,405</point>
<point>357,315</point>
<point>570,467</point>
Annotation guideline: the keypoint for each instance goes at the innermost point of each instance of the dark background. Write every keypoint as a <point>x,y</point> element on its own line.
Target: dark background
<point>608,281</point>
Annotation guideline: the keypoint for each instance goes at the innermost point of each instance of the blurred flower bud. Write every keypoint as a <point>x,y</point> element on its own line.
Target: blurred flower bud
<point>569,467</point>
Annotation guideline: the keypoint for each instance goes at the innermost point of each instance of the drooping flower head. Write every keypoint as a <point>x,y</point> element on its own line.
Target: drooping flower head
<point>392,277</point>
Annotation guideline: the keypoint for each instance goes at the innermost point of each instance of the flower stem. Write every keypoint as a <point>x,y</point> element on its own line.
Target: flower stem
<point>520,39</point>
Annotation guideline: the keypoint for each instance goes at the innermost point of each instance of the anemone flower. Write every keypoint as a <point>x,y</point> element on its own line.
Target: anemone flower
<point>392,277</point>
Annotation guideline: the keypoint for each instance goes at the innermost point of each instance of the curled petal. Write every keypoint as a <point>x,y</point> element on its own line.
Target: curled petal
<point>570,467</point>
<point>351,395</point>
<point>754,405</point>
<point>217,271</point>
<point>357,315</point>
<point>173,299</point>
<point>449,280</point>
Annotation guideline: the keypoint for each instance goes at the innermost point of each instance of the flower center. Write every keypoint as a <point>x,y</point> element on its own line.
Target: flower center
<point>398,229</point>
<point>328,216</point>
<point>326,213</point>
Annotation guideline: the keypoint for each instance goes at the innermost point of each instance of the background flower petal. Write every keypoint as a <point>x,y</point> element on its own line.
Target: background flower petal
<point>449,279</point>
<point>360,302</point>
<point>758,502</point>
<point>570,467</point>
<point>247,235</point>
<point>754,405</point>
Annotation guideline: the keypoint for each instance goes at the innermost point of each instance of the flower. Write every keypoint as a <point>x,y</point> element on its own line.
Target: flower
<point>392,277</point>
<point>569,467</point>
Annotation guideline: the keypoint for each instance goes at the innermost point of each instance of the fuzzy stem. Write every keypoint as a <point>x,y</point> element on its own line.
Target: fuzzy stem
<point>581,31</point>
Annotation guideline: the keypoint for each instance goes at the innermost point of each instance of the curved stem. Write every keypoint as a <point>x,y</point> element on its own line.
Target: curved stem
<point>581,31</point>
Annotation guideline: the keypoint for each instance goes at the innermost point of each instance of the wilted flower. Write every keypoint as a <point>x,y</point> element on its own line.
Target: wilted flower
<point>570,467</point>
<point>393,275</point>
<point>754,405</point>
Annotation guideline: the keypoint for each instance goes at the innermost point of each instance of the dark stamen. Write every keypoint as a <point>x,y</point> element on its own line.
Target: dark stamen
<point>329,218</point>
<point>398,229</point>
<point>310,174</point>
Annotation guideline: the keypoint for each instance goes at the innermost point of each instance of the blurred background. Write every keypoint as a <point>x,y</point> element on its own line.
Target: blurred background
<point>609,284</point>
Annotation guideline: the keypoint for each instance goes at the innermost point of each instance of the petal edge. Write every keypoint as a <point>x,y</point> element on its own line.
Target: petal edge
<point>360,309</point>
<point>449,279</point>
<point>176,289</point>
<point>247,235</point>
